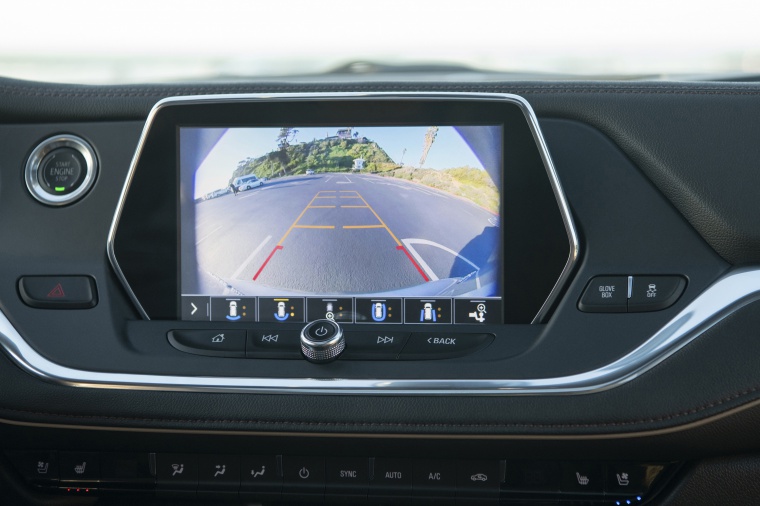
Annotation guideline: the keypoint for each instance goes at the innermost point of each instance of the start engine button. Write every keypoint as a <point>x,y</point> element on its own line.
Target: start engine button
<point>62,171</point>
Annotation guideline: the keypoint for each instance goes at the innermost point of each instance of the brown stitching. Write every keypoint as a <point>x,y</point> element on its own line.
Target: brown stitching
<point>153,92</point>
<point>664,418</point>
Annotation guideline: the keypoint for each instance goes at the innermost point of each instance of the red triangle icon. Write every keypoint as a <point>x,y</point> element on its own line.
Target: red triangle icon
<point>56,292</point>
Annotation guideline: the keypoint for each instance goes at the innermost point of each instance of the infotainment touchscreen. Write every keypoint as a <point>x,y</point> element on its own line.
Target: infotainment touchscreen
<point>370,224</point>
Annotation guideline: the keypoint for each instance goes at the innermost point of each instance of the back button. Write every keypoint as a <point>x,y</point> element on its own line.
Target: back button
<point>433,345</point>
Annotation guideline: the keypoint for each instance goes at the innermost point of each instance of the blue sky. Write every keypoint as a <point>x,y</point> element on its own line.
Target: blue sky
<point>448,151</point>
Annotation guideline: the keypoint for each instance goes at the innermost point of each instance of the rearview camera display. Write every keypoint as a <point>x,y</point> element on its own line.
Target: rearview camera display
<point>373,224</point>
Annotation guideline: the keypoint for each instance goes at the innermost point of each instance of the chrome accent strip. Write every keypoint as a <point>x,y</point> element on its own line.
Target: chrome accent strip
<point>530,116</point>
<point>630,286</point>
<point>31,171</point>
<point>724,297</point>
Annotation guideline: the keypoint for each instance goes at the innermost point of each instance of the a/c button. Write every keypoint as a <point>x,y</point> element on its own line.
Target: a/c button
<point>436,345</point>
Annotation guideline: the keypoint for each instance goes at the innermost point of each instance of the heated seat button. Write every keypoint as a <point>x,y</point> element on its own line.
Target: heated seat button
<point>212,343</point>
<point>605,294</point>
<point>374,345</point>
<point>79,467</point>
<point>582,478</point>
<point>58,292</point>
<point>438,345</point>
<point>652,293</point>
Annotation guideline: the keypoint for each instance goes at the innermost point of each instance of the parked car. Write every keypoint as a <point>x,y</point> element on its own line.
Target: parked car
<point>247,182</point>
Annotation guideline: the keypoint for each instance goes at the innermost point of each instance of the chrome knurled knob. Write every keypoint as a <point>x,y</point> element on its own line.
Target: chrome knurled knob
<point>322,341</point>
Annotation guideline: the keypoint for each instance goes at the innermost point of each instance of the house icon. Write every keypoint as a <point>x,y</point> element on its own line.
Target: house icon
<point>217,338</point>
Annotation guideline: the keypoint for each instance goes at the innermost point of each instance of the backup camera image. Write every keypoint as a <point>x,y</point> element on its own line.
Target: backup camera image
<point>410,211</point>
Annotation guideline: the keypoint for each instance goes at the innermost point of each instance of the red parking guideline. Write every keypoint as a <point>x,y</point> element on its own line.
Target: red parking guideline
<point>266,261</point>
<point>411,259</point>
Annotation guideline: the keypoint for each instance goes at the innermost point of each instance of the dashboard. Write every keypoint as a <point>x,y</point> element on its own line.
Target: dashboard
<point>517,293</point>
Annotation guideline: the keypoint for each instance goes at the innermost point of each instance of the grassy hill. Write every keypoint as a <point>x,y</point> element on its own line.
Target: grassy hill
<point>319,155</point>
<point>473,184</point>
<point>337,155</point>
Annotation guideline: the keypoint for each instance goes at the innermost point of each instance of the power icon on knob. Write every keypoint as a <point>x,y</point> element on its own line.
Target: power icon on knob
<point>303,473</point>
<point>322,341</point>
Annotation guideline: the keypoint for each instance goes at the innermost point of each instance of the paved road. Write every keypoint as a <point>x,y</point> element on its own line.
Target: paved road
<point>340,234</point>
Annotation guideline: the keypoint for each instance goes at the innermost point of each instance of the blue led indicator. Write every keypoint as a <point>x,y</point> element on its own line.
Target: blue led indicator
<point>628,502</point>
<point>638,498</point>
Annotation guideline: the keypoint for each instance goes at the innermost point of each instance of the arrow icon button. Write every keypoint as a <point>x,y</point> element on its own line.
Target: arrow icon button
<point>195,308</point>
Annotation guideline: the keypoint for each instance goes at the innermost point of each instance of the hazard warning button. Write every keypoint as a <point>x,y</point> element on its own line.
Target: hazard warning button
<point>58,292</point>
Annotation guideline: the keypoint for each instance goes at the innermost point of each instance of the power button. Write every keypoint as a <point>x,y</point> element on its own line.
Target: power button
<point>60,170</point>
<point>322,331</point>
<point>322,341</point>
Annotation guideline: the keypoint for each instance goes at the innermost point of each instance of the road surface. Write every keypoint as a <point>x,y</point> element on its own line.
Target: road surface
<point>340,234</point>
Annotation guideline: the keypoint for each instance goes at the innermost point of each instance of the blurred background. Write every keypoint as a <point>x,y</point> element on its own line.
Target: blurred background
<point>167,40</point>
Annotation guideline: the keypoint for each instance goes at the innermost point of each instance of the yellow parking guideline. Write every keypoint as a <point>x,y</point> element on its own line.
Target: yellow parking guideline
<point>398,243</point>
<point>297,219</point>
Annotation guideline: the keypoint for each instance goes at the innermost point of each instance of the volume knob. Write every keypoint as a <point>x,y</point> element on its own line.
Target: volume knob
<point>322,341</point>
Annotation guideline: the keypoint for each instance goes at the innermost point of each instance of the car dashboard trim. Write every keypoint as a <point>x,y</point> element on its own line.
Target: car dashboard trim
<point>730,293</point>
